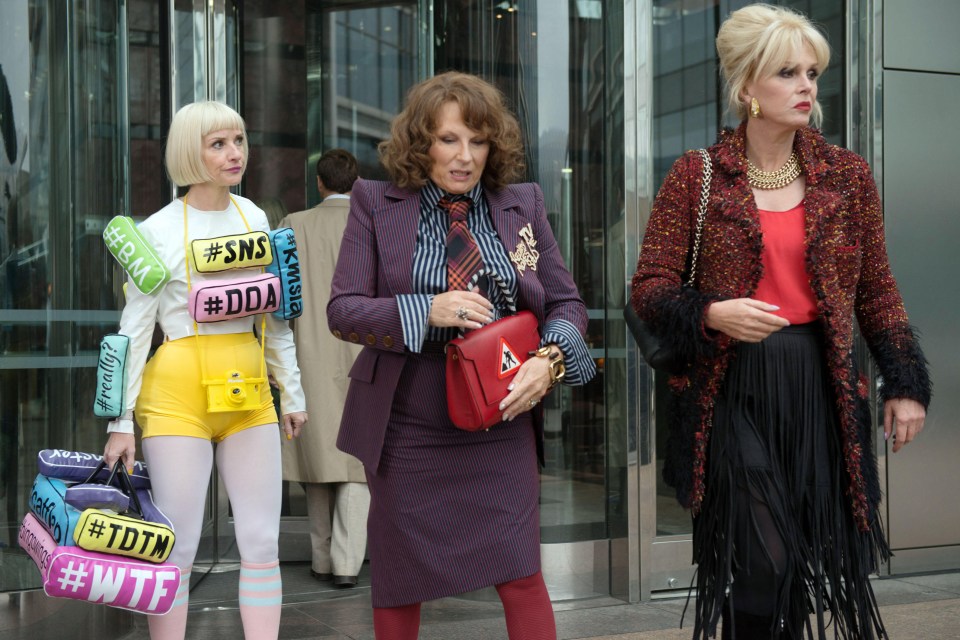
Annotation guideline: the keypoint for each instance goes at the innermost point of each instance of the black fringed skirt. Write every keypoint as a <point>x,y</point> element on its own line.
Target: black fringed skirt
<point>775,538</point>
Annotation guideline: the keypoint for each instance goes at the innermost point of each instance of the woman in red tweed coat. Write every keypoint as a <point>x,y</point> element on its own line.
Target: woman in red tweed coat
<point>770,431</point>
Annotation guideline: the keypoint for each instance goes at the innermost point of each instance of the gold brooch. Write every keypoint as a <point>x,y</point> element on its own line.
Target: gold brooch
<point>525,254</point>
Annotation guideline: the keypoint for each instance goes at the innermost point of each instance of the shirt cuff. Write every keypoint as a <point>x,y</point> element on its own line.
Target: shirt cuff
<point>414,313</point>
<point>576,356</point>
<point>120,425</point>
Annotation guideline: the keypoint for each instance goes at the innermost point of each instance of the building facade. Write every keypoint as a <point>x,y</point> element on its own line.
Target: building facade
<point>608,93</point>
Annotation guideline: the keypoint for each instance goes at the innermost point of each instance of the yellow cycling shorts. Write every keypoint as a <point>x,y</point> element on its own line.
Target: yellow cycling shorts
<point>173,401</point>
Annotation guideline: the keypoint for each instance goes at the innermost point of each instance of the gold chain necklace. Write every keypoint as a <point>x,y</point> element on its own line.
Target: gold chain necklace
<point>769,180</point>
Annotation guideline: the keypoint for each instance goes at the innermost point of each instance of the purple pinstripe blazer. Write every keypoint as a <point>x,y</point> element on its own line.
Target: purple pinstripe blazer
<point>376,264</point>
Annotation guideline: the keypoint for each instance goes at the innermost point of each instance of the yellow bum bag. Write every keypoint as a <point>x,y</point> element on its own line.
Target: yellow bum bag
<point>108,532</point>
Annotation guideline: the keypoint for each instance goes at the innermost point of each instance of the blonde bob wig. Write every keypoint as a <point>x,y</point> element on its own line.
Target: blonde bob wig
<point>757,41</point>
<point>191,124</point>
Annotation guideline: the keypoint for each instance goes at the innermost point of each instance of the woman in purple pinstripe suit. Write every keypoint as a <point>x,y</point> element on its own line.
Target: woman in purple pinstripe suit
<point>451,511</point>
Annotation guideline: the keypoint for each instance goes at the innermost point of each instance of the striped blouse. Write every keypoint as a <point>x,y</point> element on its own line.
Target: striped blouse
<point>430,278</point>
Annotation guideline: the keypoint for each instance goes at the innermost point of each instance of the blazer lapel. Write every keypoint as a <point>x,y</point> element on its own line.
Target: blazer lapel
<point>509,217</point>
<point>396,230</point>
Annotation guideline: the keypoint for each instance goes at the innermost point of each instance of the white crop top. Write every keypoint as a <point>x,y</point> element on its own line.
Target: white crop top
<point>164,231</point>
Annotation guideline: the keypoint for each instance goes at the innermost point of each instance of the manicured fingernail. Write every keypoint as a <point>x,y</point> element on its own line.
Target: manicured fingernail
<point>129,471</point>
<point>886,435</point>
<point>509,388</point>
<point>506,418</point>
<point>289,437</point>
<point>502,405</point>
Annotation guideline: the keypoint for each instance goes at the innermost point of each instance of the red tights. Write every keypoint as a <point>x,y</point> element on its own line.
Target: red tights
<point>526,605</point>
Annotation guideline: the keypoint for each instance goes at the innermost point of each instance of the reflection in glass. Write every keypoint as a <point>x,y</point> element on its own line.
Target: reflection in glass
<point>362,62</point>
<point>559,65</point>
<point>63,174</point>
<point>274,105</point>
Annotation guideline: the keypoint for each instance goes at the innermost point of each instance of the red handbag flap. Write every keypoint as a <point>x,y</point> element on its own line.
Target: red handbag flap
<point>497,350</point>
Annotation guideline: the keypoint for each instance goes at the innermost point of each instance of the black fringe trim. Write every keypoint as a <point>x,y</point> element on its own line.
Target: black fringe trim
<point>678,323</point>
<point>868,461</point>
<point>904,368</point>
<point>828,579</point>
<point>683,418</point>
<point>776,489</point>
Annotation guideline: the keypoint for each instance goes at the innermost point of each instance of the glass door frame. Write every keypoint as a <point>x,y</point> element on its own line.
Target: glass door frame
<point>214,76</point>
<point>655,562</point>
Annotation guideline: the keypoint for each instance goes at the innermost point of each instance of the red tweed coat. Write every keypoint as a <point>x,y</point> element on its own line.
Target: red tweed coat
<point>850,275</point>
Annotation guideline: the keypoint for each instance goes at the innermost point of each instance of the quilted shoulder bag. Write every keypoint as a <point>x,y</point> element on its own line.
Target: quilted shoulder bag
<point>481,365</point>
<point>654,352</point>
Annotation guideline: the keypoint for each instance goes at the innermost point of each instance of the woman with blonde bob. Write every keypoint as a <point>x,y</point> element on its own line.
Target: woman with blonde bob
<point>771,438</point>
<point>207,154</point>
<point>451,510</point>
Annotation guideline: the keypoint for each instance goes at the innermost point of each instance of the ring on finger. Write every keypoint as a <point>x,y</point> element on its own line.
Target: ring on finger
<point>462,313</point>
<point>533,402</point>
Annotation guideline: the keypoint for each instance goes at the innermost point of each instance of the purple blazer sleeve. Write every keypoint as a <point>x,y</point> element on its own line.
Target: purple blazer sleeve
<point>362,309</point>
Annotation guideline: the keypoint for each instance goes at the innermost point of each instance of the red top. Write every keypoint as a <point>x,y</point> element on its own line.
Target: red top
<point>785,281</point>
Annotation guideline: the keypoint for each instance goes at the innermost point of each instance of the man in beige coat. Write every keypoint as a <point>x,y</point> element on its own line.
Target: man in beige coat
<point>335,485</point>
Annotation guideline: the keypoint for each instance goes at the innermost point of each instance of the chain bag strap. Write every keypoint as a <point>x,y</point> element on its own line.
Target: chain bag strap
<point>657,355</point>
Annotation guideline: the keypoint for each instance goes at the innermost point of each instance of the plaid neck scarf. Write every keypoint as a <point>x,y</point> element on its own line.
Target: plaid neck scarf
<point>463,254</point>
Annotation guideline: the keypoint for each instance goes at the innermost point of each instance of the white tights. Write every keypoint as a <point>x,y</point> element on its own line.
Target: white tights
<point>249,464</point>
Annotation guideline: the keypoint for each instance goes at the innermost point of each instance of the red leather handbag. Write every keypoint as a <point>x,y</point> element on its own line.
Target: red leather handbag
<point>481,365</point>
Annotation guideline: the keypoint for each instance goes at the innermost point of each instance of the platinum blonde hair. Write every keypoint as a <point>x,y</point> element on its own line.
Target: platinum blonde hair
<point>188,128</point>
<point>756,41</point>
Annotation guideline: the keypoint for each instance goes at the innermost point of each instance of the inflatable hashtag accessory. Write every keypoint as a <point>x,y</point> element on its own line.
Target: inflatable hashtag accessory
<point>47,502</point>
<point>286,266</point>
<point>135,254</point>
<point>226,299</point>
<point>108,398</point>
<point>121,535</point>
<point>240,251</point>
<point>36,541</point>
<point>76,466</point>
<point>124,583</point>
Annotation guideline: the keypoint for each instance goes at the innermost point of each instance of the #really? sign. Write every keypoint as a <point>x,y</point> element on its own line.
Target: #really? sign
<point>127,584</point>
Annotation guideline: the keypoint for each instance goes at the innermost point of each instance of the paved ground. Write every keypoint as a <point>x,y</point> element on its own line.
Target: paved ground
<point>923,607</point>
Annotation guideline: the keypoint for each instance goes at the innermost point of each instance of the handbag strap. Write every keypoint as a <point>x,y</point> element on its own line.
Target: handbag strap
<point>93,475</point>
<point>504,290</point>
<point>128,488</point>
<point>118,478</point>
<point>508,297</point>
<point>702,212</point>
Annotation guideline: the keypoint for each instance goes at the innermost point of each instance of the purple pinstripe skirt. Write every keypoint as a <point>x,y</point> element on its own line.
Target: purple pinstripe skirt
<point>450,511</point>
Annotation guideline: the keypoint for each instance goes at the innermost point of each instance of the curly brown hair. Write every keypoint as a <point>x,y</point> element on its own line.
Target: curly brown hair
<point>406,154</point>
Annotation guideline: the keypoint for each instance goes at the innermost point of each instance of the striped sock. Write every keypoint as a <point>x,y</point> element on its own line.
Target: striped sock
<point>261,594</point>
<point>173,624</point>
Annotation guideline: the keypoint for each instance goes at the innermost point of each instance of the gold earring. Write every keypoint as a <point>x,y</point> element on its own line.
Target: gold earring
<point>755,109</point>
